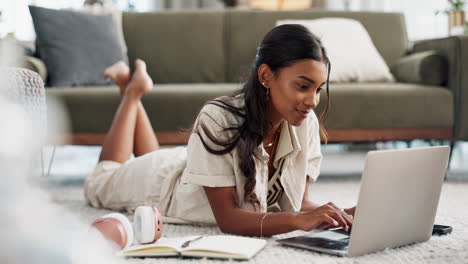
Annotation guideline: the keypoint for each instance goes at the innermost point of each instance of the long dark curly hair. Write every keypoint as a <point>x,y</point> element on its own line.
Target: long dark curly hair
<point>281,47</point>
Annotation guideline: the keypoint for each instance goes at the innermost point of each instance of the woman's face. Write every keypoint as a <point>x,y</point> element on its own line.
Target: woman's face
<point>295,90</point>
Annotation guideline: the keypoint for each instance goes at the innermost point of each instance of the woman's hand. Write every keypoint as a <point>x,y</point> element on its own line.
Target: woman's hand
<point>351,211</point>
<point>327,215</point>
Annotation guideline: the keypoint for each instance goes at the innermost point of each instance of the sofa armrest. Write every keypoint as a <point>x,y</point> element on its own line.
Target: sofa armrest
<point>455,49</point>
<point>426,67</point>
<point>36,65</point>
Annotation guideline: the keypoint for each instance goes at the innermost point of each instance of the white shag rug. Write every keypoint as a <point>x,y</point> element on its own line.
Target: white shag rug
<point>453,210</point>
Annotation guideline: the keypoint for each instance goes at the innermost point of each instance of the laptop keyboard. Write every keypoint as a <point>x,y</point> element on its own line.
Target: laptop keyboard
<point>319,242</point>
<point>336,244</point>
<point>341,244</point>
<point>322,242</point>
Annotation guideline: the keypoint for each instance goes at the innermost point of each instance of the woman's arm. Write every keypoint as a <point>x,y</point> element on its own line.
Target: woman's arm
<point>307,205</point>
<point>232,219</point>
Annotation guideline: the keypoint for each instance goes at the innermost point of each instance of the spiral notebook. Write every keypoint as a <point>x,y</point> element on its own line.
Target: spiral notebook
<point>216,246</point>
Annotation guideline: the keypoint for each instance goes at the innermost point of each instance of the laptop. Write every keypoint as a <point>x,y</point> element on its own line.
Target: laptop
<point>397,204</point>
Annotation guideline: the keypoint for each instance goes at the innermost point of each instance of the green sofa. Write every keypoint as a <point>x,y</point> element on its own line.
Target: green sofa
<point>195,56</point>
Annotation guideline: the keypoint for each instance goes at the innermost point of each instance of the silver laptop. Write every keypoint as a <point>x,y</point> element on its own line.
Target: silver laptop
<point>397,204</point>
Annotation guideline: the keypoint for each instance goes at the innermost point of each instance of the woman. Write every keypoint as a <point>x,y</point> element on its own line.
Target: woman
<point>250,158</point>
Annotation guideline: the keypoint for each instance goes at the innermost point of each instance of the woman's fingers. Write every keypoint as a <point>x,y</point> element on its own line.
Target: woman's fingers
<point>341,220</point>
<point>316,220</point>
<point>326,216</point>
<point>323,225</point>
<point>327,221</point>
<point>351,211</point>
<point>348,218</point>
<point>333,218</point>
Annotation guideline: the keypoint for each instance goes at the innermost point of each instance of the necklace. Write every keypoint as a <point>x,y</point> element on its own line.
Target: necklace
<point>275,138</point>
<point>274,144</point>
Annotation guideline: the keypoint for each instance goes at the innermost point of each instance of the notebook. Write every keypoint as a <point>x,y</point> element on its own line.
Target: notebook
<point>217,246</point>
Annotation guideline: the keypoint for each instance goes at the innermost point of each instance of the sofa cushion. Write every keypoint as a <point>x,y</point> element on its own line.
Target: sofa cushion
<point>242,38</point>
<point>178,47</point>
<point>75,47</point>
<point>170,107</point>
<point>358,60</point>
<point>426,67</point>
<point>388,105</point>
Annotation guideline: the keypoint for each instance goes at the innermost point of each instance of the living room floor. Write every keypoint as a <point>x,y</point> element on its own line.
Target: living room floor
<point>339,182</point>
<point>340,161</point>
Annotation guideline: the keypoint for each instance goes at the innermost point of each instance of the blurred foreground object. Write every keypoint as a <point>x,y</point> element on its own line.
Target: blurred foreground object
<point>33,229</point>
<point>26,88</point>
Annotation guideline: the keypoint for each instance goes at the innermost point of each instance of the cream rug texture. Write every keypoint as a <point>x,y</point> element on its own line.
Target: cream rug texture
<point>453,210</point>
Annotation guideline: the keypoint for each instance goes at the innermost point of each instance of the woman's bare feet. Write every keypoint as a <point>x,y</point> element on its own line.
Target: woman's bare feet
<point>119,73</point>
<point>140,82</point>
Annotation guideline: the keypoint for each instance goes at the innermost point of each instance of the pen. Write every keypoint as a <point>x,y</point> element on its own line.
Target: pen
<point>187,243</point>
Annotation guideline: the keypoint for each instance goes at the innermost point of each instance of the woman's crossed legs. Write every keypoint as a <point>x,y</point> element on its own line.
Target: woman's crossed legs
<point>131,130</point>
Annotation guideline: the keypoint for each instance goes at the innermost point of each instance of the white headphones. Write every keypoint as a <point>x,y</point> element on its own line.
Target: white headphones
<point>147,226</point>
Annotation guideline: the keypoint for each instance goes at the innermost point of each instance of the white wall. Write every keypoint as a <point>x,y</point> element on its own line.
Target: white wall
<point>16,16</point>
<point>421,21</point>
<point>18,20</point>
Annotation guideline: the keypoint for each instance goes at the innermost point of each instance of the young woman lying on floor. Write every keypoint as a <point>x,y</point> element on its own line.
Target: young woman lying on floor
<point>250,157</point>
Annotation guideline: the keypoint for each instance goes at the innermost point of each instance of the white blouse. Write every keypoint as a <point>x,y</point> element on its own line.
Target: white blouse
<point>182,197</point>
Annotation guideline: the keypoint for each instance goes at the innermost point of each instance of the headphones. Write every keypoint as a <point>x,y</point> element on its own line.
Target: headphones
<point>146,228</point>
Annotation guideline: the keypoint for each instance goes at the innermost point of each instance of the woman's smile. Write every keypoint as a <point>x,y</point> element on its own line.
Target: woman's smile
<point>302,114</point>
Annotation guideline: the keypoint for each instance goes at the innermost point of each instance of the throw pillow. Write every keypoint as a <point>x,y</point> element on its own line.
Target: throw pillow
<point>98,9</point>
<point>352,53</point>
<point>75,47</point>
<point>427,67</point>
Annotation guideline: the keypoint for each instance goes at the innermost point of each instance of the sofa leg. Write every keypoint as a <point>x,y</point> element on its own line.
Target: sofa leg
<point>50,162</point>
<point>452,146</point>
<point>42,161</point>
<point>408,143</point>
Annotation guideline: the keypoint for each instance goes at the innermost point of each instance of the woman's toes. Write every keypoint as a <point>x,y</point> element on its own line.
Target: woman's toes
<point>119,73</point>
<point>116,70</point>
<point>140,65</point>
<point>141,82</point>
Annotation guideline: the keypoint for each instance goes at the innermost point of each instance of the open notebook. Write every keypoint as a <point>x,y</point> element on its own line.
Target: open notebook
<point>218,246</point>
